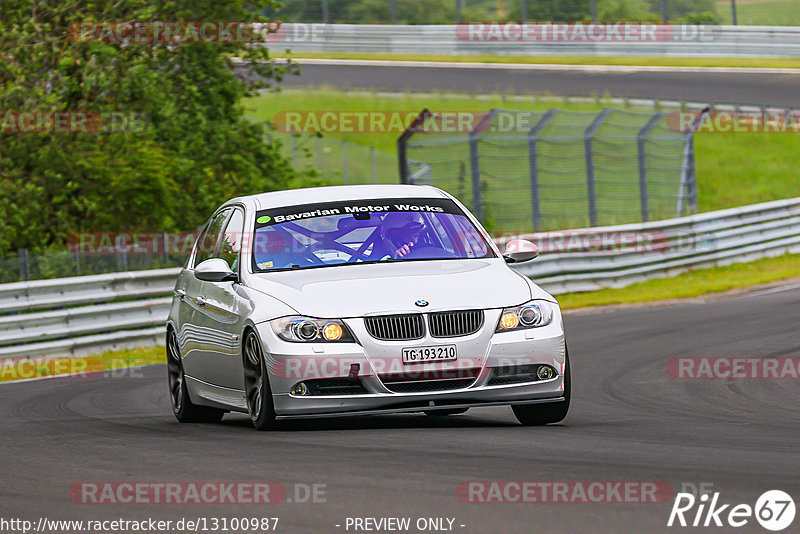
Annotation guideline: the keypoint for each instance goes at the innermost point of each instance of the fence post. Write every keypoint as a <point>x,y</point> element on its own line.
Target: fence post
<point>402,144</point>
<point>474,161</point>
<point>587,145</point>
<point>688,186</point>
<point>533,163</point>
<point>344,161</point>
<point>293,144</point>
<point>24,264</point>
<point>122,260</point>
<point>374,165</point>
<point>319,153</point>
<point>641,140</point>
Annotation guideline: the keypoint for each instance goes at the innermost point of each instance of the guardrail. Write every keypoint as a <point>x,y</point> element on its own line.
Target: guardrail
<point>635,252</point>
<point>84,315</point>
<point>534,39</point>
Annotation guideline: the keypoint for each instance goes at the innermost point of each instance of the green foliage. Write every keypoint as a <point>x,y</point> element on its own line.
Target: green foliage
<point>638,10</point>
<point>688,11</point>
<point>195,150</point>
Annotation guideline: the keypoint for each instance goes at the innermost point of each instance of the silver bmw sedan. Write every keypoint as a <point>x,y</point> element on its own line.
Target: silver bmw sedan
<point>359,300</point>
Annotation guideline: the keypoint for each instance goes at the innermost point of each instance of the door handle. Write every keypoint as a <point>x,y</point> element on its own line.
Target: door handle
<point>180,293</point>
<point>201,301</point>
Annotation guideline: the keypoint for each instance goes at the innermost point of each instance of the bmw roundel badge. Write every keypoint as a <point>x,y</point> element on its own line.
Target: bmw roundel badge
<point>421,303</point>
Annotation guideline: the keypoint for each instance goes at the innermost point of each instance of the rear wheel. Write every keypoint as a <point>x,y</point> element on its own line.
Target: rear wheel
<point>182,406</point>
<point>545,414</point>
<point>443,413</point>
<point>256,384</point>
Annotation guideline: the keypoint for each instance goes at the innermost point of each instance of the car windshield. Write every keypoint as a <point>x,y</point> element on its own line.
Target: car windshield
<point>364,231</point>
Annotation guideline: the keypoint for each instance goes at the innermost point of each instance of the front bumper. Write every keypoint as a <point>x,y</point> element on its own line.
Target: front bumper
<point>370,362</point>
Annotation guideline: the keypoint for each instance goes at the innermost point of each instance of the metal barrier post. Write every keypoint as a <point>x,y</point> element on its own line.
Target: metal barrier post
<point>533,164</point>
<point>402,144</point>
<point>374,165</point>
<point>688,186</point>
<point>641,140</point>
<point>24,264</point>
<point>587,143</point>
<point>474,161</point>
<point>344,161</point>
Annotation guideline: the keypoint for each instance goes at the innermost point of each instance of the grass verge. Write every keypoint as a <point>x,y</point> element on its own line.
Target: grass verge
<point>623,61</point>
<point>761,12</point>
<point>82,367</point>
<point>697,283</point>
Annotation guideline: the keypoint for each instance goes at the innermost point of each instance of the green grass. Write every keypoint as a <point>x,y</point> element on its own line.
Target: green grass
<point>41,367</point>
<point>732,169</point>
<point>761,12</point>
<point>692,284</point>
<point>651,61</point>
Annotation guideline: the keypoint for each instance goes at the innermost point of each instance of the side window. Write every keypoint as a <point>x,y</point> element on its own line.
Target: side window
<point>231,243</point>
<point>208,240</point>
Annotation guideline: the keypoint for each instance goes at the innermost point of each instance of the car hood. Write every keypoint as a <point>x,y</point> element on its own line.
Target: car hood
<point>359,290</point>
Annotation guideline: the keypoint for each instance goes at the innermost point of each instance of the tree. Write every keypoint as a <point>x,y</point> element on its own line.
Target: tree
<point>196,148</point>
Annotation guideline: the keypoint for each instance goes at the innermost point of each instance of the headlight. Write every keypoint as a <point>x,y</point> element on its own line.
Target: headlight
<point>533,314</point>
<point>308,329</point>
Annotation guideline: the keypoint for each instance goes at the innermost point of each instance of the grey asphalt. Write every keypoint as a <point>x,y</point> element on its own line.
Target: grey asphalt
<point>629,422</point>
<point>707,87</point>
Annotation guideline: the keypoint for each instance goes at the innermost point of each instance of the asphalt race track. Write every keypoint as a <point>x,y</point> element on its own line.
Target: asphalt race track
<point>629,422</point>
<point>707,86</point>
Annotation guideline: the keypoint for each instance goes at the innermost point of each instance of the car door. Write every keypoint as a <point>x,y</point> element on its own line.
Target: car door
<point>224,311</point>
<point>193,337</point>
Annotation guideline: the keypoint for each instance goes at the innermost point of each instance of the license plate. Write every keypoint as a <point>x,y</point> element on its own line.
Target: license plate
<point>438,353</point>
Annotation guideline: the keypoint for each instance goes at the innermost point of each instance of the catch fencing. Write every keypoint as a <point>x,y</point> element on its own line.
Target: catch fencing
<point>557,169</point>
<point>83,315</point>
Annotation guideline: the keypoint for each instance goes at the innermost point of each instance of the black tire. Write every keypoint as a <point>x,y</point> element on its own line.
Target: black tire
<point>549,413</point>
<point>256,384</point>
<point>182,406</point>
<point>444,413</point>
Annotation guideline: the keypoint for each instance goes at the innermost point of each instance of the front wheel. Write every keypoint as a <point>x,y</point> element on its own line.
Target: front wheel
<point>545,414</point>
<point>182,406</point>
<point>256,384</point>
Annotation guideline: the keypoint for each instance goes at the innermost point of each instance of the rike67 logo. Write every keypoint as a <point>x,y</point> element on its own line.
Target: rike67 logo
<point>774,510</point>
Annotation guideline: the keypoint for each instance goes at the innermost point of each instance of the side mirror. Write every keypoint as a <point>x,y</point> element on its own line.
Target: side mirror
<point>520,251</point>
<point>215,270</point>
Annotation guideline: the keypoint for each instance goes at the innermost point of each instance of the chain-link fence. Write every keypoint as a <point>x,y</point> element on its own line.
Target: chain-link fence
<point>547,170</point>
<point>27,265</point>
<point>338,161</point>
